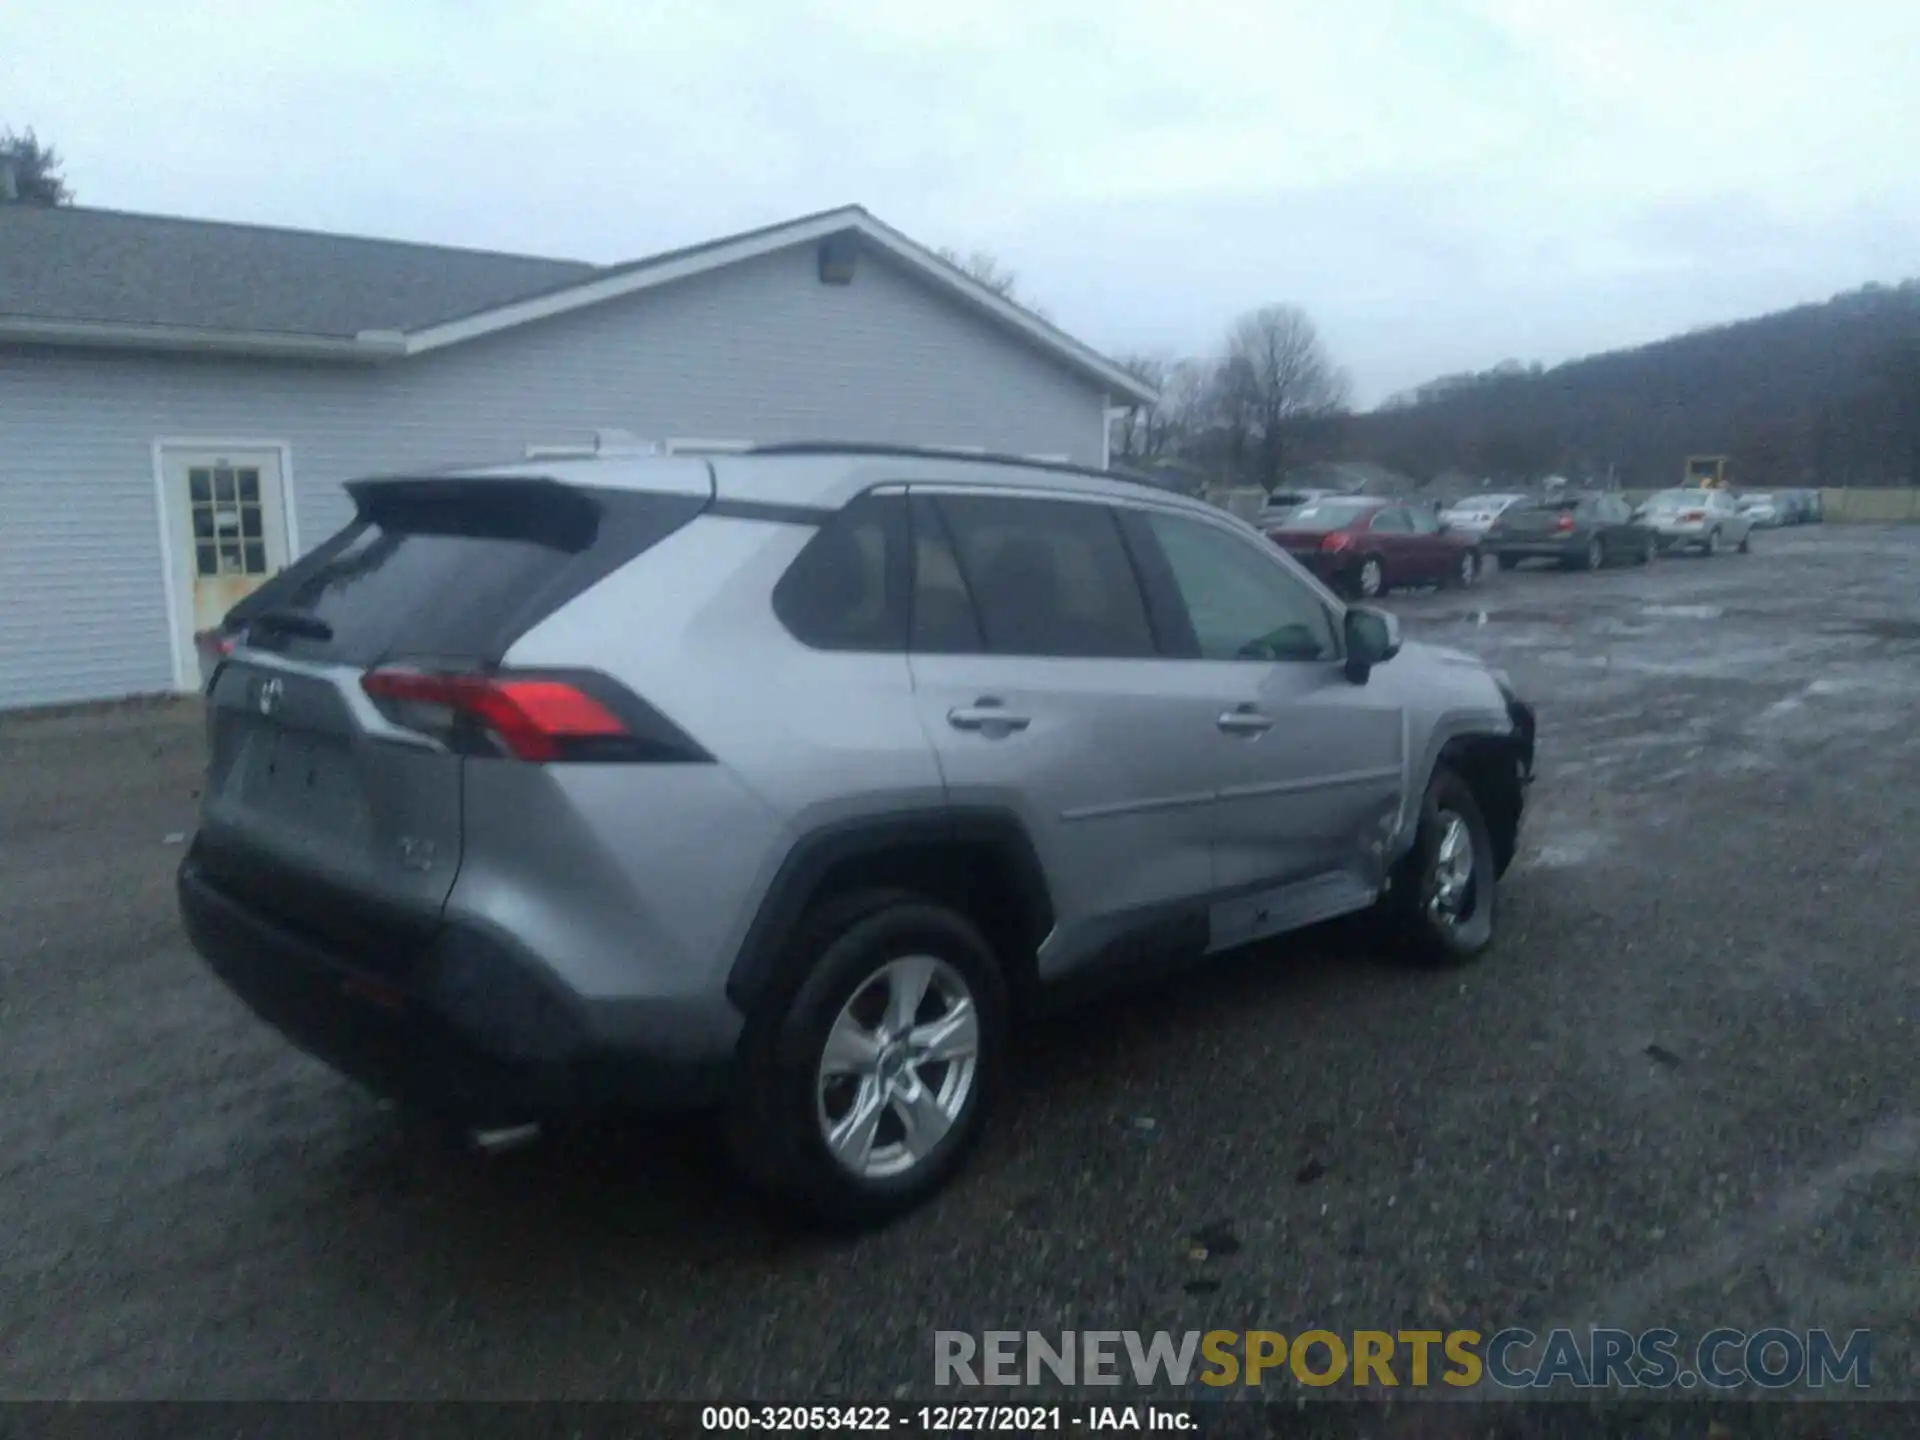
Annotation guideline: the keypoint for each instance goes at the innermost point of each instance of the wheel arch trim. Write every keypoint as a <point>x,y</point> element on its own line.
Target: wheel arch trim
<point>817,853</point>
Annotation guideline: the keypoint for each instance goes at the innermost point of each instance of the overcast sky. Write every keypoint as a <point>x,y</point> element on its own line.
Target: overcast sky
<point>1442,184</point>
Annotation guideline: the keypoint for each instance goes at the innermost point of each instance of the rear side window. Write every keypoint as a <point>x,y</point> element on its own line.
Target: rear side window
<point>944,622</point>
<point>452,570</point>
<point>1048,577</point>
<point>1393,522</point>
<point>847,589</point>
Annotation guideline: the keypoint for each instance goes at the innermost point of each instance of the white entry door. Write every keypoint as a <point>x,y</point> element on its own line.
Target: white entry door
<point>227,533</point>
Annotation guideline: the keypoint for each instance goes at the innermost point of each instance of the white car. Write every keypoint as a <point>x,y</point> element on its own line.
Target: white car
<point>1705,520</point>
<point>1476,513</point>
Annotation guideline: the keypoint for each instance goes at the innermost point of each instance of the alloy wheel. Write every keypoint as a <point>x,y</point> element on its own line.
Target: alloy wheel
<point>1371,578</point>
<point>897,1071</point>
<point>1451,892</point>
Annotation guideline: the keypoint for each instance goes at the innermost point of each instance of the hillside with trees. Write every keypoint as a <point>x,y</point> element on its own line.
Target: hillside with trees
<point>1820,394</point>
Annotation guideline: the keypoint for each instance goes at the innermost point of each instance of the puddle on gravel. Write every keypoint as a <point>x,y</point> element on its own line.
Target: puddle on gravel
<point>1895,629</point>
<point>1565,851</point>
<point>1685,612</point>
<point>1499,617</point>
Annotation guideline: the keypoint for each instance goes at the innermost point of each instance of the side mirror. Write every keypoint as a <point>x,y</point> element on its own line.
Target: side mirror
<point>1373,638</point>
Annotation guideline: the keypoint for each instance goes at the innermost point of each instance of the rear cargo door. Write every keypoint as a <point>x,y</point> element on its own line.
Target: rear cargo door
<point>319,807</point>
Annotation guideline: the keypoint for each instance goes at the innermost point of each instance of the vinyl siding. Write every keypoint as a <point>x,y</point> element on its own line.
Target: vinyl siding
<point>762,351</point>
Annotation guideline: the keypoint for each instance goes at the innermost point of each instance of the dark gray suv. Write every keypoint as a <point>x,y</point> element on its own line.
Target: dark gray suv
<point>779,783</point>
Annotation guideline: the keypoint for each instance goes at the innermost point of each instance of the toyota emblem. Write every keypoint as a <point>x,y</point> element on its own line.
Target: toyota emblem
<point>269,696</point>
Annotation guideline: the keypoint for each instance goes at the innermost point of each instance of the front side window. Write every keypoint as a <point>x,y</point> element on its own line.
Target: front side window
<point>1243,603</point>
<point>1424,521</point>
<point>1048,577</point>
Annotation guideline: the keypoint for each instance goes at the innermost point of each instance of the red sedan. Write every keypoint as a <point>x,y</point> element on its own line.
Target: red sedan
<point>1365,547</point>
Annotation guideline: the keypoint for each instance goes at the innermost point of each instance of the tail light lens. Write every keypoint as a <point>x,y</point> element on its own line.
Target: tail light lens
<point>1693,514</point>
<point>1337,541</point>
<point>543,719</point>
<point>1564,523</point>
<point>214,648</point>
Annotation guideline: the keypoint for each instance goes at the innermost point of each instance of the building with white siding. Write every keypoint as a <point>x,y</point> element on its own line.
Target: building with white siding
<point>180,401</point>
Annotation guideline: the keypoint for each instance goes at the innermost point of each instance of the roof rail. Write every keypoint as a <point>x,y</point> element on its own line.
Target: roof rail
<point>937,452</point>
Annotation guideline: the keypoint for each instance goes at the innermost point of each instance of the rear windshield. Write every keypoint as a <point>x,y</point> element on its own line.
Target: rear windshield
<point>453,570</point>
<point>1329,515</point>
<point>1677,499</point>
<point>1480,504</point>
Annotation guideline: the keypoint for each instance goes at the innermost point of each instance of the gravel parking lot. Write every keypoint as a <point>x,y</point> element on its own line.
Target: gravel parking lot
<point>1680,1091</point>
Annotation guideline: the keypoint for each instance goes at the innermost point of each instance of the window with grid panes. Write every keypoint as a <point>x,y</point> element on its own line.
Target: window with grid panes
<point>229,531</point>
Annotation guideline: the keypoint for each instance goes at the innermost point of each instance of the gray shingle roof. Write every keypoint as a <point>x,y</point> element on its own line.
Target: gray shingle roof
<point>64,263</point>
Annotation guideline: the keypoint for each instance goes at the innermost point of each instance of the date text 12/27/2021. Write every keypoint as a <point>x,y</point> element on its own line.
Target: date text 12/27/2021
<point>944,1419</point>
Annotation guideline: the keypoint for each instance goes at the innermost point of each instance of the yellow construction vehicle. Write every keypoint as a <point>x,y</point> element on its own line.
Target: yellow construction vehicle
<point>1706,472</point>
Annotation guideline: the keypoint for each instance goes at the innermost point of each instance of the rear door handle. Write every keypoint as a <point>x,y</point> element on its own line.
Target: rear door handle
<point>1245,720</point>
<point>989,715</point>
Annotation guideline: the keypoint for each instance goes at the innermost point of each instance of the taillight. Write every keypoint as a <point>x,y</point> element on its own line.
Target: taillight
<point>1338,540</point>
<point>1693,514</point>
<point>539,718</point>
<point>214,648</point>
<point>1564,523</point>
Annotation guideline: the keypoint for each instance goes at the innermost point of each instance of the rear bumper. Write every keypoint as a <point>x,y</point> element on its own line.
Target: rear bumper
<point>472,1033</point>
<point>1680,539</point>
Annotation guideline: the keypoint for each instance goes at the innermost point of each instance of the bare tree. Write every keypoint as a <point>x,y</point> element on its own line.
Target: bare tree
<point>30,171</point>
<point>1142,431</point>
<point>1277,374</point>
<point>1187,399</point>
<point>985,266</point>
<point>1231,399</point>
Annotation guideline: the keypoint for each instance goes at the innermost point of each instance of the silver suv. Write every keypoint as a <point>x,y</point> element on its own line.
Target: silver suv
<point>778,783</point>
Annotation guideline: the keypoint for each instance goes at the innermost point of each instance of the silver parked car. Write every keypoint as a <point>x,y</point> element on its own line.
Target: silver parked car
<point>1476,514</point>
<point>1708,521</point>
<point>1765,511</point>
<point>774,785</point>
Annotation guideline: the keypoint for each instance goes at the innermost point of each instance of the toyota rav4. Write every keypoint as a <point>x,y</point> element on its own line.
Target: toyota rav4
<point>779,784</point>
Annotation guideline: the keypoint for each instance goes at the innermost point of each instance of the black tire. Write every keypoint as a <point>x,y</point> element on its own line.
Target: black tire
<point>1712,546</point>
<point>1462,576</point>
<point>1649,548</point>
<point>772,1123</point>
<point>1745,547</point>
<point>1412,926</point>
<point>1596,554</point>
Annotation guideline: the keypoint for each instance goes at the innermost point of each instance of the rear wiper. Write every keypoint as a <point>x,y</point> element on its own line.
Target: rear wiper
<point>291,622</point>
